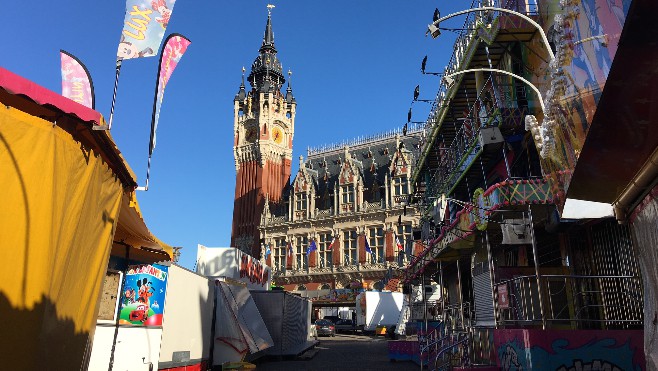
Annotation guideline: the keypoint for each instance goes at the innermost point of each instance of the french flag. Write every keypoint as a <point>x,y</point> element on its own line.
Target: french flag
<point>397,242</point>
<point>289,248</point>
<point>331,245</point>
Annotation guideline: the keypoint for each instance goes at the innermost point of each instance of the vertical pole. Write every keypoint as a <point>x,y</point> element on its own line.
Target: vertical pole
<point>506,162</point>
<point>461,298</point>
<point>443,297</point>
<point>118,311</point>
<point>534,254</point>
<point>114,95</point>
<point>211,358</point>
<point>425,329</point>
<point>422,290</point>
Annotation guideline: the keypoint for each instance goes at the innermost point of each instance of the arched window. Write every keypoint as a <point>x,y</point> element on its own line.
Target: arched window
<point>301,287</point>
<point>325,286</point>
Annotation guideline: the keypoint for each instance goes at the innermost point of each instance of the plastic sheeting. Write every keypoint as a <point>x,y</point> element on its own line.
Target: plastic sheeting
<point>645,230</point>
<point>239,325</point>
<point>60,204</point>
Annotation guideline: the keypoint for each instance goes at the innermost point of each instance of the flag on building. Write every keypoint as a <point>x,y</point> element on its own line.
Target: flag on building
<point>398,244</point>
<point>76,80</point>
<point>289,248</point>
<point>368,246</point>
<point>311,247</point>
<point>144,27</point>
<point>331,245</point>
<point>268,251</point>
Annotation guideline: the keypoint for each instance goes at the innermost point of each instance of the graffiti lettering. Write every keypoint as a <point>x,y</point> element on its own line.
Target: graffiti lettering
<point>139,22</point>
<point>253,270</point>
<point>595,365</point>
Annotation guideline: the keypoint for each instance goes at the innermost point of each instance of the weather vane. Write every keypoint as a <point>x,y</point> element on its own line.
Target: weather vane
<point>269,9</point>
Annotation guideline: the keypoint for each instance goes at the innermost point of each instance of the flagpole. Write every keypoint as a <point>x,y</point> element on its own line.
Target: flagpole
<point>114,98</point>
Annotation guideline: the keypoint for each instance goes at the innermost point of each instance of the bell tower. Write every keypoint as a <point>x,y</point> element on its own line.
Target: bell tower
<point>263,126</point>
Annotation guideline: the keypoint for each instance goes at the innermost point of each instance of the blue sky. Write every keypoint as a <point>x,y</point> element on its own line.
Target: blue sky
<point>355,65</point>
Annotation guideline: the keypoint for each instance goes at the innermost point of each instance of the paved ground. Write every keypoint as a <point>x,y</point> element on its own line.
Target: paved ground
<point>343,352</point>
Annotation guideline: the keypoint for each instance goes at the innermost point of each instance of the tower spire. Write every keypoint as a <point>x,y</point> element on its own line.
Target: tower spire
<point>268,38</point>
<point>266,71</point>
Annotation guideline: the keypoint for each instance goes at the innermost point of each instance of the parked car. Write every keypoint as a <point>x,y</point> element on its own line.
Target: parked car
<point>346,325</point>
<point>333,319</point>
<point>325,327</point>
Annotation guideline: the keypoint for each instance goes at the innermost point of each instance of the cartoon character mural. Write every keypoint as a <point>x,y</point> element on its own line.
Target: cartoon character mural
<point>145,289</point>
<point>566,350</point>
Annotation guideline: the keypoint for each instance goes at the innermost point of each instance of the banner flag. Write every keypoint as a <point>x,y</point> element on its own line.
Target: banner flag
<point>268,251</point>
<point>76,80</point>
<point>289,249</point>
<point>172,51</point>
<point>331,245</point>
<point>311,247</point>
<point>144,27</point>
<point>368,246</point>
<point>397,243</point>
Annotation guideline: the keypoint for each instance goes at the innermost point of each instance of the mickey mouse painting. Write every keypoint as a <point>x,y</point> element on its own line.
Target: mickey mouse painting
<point>144,293</point>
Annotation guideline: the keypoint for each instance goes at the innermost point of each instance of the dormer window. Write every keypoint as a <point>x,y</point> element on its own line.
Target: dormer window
<point>400,186</point>
<point>301,201</point>
<point>348,193</point>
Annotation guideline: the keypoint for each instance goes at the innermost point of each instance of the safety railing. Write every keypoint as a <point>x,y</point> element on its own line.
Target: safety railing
<point>458,155</point>
<point>578,301</point>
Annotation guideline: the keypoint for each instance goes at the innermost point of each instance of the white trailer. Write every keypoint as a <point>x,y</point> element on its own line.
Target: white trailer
<point>375,309</point>
<point>165,321</point>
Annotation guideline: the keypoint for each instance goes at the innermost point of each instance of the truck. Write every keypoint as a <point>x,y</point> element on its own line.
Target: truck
<point>377,309</point>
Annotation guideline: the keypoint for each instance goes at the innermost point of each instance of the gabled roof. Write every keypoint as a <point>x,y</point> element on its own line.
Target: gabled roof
<point>371,159</point>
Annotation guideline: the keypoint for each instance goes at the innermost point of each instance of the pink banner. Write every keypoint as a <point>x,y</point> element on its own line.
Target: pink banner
<point>76,81</point>
<point>173,50</point>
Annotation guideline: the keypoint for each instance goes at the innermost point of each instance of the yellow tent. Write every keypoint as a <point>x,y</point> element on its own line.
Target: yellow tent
<point>66,201</point>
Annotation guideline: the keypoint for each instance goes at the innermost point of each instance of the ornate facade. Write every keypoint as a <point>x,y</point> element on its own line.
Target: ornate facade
<point>263,126</point>
<point>341,200</point>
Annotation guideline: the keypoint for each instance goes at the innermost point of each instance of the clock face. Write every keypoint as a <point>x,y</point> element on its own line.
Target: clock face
<point>277,135</point>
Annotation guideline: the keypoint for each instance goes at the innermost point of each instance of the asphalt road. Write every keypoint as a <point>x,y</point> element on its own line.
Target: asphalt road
<point>343,352</point>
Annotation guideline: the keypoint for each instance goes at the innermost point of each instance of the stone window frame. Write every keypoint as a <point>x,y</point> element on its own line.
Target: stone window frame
<point>301,244</point>
<point>350,247</point>
<point>325,256</point>
<point>377,243</point>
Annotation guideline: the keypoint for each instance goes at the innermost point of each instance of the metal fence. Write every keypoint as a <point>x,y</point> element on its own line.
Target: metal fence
<point>578,301</point>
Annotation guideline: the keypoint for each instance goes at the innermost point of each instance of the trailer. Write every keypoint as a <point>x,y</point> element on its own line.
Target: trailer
<point>165,315</point>
<point>377,309</point>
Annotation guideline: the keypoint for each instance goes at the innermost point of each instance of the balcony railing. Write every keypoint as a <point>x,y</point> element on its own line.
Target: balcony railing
<point>459,154</point>
<point>579,301</point>
<point>463,49</point>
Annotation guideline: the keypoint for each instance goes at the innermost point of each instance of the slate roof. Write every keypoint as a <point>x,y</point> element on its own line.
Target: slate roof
<point>371,159</point>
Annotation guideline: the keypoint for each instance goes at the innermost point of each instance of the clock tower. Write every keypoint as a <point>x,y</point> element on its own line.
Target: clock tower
<point>263,128</point>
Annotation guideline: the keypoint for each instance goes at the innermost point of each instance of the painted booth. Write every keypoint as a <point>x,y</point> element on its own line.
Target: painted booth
<point>165,322</point>
<point>61,232</point>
